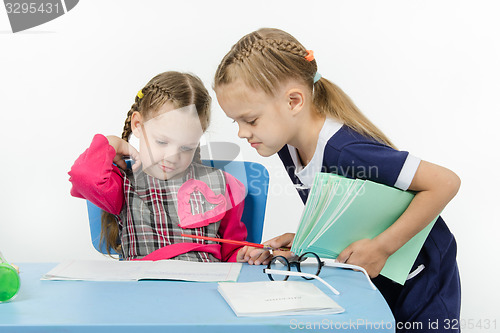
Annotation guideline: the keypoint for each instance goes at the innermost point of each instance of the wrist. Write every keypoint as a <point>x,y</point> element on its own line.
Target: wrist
<point>113,141</point>
<point>386,245</point>
<point>111,138</point>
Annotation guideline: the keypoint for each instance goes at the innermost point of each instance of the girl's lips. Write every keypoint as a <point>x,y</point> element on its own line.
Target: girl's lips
<point>255,144</point>
<point>166,169</point>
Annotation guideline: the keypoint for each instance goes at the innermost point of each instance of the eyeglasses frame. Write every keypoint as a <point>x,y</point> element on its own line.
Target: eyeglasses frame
<point>296,264</point>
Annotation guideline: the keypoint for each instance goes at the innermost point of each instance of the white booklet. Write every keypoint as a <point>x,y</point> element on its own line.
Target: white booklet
<point>277,298</point>
<point>113,270</point>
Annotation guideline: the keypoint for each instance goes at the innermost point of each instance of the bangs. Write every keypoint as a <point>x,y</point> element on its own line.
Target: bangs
<point>259,73</point>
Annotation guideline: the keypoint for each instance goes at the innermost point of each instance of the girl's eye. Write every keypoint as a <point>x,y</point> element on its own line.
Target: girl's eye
<point>161,142</point>
<point>252,122</point>
<point>186,149</point>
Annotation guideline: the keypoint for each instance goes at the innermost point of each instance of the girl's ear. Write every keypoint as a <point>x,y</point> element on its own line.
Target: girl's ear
<point>296,100</point>
<point>136,124</point>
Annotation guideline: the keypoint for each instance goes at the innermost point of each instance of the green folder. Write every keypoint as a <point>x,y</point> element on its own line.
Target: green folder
<point>340,211</point>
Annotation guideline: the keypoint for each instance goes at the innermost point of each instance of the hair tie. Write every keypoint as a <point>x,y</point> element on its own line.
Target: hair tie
<point>310,55</point>
<point>317,76</point>
<point>140,94</point>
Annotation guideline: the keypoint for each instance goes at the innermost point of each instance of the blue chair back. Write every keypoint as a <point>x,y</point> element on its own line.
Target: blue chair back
<point>253,175</point>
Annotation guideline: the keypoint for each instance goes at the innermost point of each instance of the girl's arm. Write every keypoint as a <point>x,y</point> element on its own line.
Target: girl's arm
<point>435,187</point>
<point>95,178</point>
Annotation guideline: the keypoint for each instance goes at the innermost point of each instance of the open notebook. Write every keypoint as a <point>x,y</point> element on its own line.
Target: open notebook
<point>113,270</point>
<point>277,298</point>
<point>340,211</point>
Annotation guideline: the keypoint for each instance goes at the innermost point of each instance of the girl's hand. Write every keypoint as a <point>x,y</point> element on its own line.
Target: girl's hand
<point>284,240</point>
<point>253,255</point>
<point>367,253</point>
<point>124,149</point>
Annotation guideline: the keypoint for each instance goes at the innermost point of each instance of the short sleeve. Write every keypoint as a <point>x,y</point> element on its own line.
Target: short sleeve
<point>379,163</point>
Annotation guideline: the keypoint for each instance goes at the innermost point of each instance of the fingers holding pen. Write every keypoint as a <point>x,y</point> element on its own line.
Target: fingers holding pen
<point>281,242</point>
<point>254,256</point>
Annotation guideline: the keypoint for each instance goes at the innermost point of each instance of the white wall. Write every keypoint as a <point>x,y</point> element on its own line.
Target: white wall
<point>426,72</point>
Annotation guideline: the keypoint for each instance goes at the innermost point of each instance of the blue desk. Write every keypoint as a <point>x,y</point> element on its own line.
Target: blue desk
<point>176,306</point>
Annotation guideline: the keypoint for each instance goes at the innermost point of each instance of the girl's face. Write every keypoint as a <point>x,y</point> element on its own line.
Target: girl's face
<point>266,122</point>
<point>168,141</point>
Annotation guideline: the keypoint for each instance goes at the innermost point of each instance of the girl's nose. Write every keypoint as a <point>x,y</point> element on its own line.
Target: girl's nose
<point>243,132</point>
<point>171,155</point>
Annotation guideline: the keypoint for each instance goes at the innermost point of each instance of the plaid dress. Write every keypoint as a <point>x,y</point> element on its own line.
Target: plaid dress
<point>149,219</point>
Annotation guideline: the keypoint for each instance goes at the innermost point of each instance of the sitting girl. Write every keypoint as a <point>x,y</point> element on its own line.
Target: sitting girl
<point>167,191</point>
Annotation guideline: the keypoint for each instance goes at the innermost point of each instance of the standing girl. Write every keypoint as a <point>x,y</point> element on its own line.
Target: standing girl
<point>168,191</point>
<point>269,84</point>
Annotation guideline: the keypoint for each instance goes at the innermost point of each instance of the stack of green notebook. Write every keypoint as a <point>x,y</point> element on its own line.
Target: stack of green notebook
<point>340,211</point>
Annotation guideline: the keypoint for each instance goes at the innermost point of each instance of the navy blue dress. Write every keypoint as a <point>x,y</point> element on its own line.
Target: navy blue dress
<point>429,301</point>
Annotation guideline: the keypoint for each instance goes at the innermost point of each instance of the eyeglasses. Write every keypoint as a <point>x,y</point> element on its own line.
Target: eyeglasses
<point>308,262</point>
<point>308,267</point>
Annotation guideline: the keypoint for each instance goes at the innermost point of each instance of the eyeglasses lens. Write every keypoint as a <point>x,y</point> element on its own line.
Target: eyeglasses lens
<point>279,263</point>
<point>310,264</point>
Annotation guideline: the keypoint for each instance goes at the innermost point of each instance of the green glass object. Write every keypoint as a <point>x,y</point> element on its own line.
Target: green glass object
<point>9,281</point>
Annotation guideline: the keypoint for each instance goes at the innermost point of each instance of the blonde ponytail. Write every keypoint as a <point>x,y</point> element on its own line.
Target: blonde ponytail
<point>330,100</point>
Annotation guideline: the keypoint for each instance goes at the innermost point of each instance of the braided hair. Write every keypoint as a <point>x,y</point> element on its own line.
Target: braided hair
<point>267,58</point>
<point>180,89</point>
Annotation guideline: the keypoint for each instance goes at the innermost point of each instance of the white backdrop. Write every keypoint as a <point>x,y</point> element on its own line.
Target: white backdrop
<point>427,73</point>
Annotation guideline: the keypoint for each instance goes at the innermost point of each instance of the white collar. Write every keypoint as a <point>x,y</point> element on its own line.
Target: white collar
<point>306,174</point>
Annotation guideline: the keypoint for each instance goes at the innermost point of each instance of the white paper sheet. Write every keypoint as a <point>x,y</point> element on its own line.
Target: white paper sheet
<point>103,270</point>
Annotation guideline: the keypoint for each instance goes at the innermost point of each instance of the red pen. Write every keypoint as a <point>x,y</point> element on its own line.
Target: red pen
<point>235,242</point>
